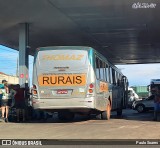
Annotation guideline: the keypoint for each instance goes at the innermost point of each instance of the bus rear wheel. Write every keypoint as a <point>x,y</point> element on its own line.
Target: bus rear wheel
<point>99,116</point>
<point>66,116</point>
<point>107,114</point>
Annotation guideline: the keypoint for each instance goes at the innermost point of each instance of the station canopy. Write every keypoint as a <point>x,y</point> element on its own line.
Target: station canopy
<point>125,31</point>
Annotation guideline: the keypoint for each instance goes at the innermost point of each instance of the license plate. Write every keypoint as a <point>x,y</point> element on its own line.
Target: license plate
<point>62,91</point>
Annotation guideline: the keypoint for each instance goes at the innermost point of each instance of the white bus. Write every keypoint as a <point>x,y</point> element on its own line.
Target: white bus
<point>75,79</point>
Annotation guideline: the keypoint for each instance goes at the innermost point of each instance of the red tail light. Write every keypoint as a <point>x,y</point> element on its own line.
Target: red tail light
<point>91,85</point>
<point>90,90</point>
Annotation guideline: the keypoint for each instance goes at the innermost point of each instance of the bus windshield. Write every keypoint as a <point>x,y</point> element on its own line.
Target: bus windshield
<point>62,60</point>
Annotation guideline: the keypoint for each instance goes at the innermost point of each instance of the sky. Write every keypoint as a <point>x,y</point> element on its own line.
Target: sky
<point>8,61</point>
<point>137,74</point>
<point>140,74</point>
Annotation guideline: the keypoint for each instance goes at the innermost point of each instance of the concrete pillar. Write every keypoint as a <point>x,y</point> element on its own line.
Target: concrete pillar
<point>23,54</point>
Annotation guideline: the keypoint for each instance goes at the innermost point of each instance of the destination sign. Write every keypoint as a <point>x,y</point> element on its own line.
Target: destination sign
<point>62,80</point>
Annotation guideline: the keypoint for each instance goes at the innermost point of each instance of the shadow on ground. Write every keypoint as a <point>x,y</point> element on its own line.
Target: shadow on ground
<point>128,114</point>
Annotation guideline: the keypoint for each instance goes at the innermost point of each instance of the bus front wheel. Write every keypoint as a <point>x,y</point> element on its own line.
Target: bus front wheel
<point>107,114</point>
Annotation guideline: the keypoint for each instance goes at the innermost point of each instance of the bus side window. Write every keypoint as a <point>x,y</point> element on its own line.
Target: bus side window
<point>101,70</point>
<point>104,70</point>
<point>111,78</point>
<point>116,77</point>
<point>97,68</point>
<point>107,72</point>
<point>119,80</point>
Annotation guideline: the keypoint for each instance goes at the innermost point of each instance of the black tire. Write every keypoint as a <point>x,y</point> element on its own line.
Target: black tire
<point>99,116</point>
<point>66,116</point>
<point>140,108</point>
<point>107,114</point>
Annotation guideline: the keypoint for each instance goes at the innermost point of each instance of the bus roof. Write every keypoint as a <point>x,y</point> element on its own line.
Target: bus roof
<point>78,48</point>
<point>64,48</point>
